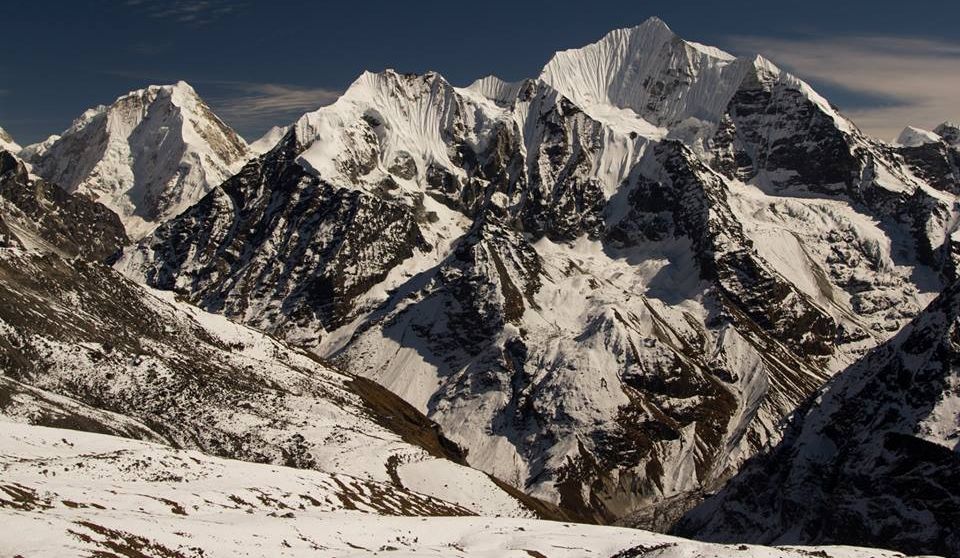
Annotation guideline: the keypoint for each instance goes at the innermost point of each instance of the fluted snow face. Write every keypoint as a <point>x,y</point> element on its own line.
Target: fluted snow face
<point>7,143</point>
<point>389,118</point>
<point>649,70</point>
<point>148,156</point>
<point>503,93</point>
<point>648,73</point>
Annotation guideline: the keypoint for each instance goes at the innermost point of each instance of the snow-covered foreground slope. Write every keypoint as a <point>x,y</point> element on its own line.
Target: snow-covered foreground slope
<point>148,156</point>
<point>609,284</point>
<point>85,348</point>
<point>67,493</point>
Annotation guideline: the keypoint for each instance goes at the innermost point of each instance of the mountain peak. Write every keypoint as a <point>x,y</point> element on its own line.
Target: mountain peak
<point>647,69</point>
<point>497,90</point>
<point>915,137</point>
<point>148,156</point>
<point>391,81</point>
<point>7,143</point>
<point>269,140</point>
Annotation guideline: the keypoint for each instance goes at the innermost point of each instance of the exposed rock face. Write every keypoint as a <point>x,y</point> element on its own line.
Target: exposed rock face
<point>148,156</point>
<point>224,252</point>
<point>609,284</point>
<point>949,132</point>
<point>34,213</point>
<point>933,156</point>
<point>871,459</point>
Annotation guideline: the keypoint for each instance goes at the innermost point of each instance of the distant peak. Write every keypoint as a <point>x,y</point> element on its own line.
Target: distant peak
<point>915,137</point>
<point>497,90</point>
<point>655,22</point>
<point>177,90</point>
<point>270,139</point>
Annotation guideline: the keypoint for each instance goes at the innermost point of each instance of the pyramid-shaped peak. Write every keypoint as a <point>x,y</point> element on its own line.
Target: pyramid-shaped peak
<point>149,155</point>
<point>654,23</point>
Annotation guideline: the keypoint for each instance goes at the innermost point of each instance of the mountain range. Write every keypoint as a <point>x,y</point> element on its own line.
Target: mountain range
<point>657,285</point>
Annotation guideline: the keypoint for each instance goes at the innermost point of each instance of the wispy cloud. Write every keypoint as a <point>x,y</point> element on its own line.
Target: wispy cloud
<point>257,106</point>
<point>249,107</point>
<point>899,81</point>
<point>192,12</point>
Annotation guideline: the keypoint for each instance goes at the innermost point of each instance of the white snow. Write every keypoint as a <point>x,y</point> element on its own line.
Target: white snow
<point>7,143</point>
<point>915,137</point>
<point>269,140</point>
<point>621,69</point>
<point>66,493</point>
<point>148,156</point>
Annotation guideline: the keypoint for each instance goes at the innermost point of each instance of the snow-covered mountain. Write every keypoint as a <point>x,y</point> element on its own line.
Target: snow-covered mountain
<point>148,156</point>
<point>872,459</point>
<point>68,493</point>
<point>933,156</point>
<point>916,137</point>
<point>7,143</point>
<point>269,140</point>
<point>609,283</point>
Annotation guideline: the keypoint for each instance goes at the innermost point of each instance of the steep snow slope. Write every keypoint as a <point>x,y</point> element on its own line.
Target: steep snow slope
<point>609,295</point>
<point>148,156</point>
<point>872,459</point>
<point>67,493</point>
<point>648,71</point>
<point>7,143</point>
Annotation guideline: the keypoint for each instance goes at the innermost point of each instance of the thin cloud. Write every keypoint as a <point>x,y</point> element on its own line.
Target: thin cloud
<point>191,12</point>
<point>258,106</point>
<point>901,81</point>
<point>251,108</point>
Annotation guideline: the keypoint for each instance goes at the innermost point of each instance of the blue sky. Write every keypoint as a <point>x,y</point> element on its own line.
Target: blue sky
<point>885,63</point>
